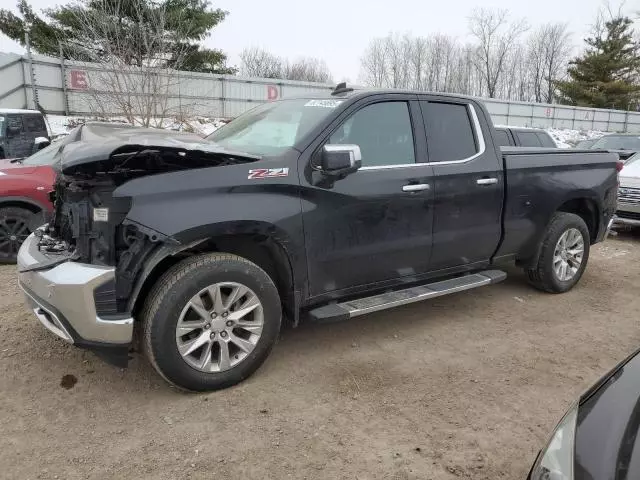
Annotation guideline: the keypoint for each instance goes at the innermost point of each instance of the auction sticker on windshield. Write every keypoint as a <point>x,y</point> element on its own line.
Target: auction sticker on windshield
<point>323,103</point>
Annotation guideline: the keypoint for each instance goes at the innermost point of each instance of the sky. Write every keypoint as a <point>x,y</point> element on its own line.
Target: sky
<point>338,31</point>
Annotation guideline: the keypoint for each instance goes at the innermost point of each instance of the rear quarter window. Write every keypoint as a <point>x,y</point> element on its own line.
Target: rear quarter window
<point>528,139</point>
<point>34,123</point>
<point>502,137</point>
<point>546,140</point>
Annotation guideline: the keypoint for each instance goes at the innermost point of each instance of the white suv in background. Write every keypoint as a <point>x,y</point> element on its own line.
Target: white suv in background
<point>629,193</point>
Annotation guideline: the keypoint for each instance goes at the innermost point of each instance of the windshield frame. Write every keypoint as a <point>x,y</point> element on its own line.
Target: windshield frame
<point>301,139</point>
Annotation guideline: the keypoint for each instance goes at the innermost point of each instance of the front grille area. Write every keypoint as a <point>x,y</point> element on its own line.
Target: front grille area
<point>630,196</point>
<point>629,215</point>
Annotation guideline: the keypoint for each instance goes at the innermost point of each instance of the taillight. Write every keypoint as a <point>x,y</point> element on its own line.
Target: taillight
<point>619,166</point>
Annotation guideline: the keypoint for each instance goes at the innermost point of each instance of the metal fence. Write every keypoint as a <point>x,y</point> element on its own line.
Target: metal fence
<point>65,88</point>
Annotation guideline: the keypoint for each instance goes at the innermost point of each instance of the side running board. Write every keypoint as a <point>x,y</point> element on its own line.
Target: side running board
<point>353,308</point>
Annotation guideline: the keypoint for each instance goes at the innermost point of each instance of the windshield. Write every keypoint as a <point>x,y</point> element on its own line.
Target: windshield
<point>46,156</point>
<point>273,127</point>
<point>618,142</point>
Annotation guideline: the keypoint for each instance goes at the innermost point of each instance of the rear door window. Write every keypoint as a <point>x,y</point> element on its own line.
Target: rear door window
<point>450,132</point>
<point>528,139</point>
<point>546,140</point>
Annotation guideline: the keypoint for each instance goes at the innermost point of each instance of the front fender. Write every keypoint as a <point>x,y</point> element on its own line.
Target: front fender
<point>195,205</point>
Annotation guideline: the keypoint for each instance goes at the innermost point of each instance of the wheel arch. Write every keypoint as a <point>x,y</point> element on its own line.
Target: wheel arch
<point>587,209</point>
<point>21,202</point>
<point>264,248</point>
<point>583,206</point>
<point>37,210</point>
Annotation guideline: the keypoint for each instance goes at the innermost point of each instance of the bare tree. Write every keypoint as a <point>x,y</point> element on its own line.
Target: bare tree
<point>373,68</point>
<point>256,62</point>
<point>498,64</point>
<point>140,88</point>
<point>548,53</point>
<point>558,50</point>
<point>307,69</point>
<point>495,36</point>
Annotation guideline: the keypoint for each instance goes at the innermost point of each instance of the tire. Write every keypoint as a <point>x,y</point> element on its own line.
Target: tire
<point>544,275</point>
<point>171,303</point>
<point>14,229</point>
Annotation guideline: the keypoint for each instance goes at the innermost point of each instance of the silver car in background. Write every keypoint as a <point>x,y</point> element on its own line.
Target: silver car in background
<point>628,213</point>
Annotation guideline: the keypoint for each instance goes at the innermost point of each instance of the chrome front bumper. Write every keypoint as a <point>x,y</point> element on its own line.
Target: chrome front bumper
<point>62,298</point>
<point>628,214</point>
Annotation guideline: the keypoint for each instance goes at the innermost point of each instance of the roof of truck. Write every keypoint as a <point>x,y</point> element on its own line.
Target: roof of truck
<point>359,91</point>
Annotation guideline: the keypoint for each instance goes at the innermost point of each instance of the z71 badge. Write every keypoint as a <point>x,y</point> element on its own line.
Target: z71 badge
<point>268,173</point>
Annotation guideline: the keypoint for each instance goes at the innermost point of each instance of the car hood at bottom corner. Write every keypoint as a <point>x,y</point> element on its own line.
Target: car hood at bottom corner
<point>607,445</point>
<point>86,152</point>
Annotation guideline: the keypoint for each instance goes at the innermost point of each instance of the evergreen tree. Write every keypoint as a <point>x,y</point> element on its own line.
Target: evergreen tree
<point>184,23</point>
<point>606,76</point>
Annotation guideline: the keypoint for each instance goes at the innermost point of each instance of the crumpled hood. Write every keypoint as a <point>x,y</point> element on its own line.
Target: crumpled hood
<point>110,150</point>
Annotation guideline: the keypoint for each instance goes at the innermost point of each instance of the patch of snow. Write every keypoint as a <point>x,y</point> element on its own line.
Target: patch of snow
<point>61,125</point>
<point>567,138</point>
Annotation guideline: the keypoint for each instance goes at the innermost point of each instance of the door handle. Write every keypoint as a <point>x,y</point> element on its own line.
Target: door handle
<point>420,187</point>
<point>487,181</point>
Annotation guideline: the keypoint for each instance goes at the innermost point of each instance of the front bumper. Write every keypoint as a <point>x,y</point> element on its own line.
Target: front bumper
<point>628,215</point>
<point>62,298</point>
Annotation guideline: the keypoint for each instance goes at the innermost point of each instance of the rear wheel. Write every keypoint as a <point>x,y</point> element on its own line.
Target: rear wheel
<point>564,254</point>
<point>14,229</point>
<point>211,321</point>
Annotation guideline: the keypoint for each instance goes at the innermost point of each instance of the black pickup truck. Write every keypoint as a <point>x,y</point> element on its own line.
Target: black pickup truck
<point>319,208</point>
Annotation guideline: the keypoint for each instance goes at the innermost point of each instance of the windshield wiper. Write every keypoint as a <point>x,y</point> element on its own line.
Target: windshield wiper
<point>17,160</point>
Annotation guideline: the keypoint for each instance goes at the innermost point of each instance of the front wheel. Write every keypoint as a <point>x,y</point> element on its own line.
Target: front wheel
<point>564,254</point>
<point>14,229</point>
<point>211,321</point>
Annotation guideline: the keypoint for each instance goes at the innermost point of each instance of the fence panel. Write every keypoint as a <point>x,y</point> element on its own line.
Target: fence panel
<point>191,93</point>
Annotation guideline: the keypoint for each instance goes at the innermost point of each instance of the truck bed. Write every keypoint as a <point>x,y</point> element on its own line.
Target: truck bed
<point>538,181</point>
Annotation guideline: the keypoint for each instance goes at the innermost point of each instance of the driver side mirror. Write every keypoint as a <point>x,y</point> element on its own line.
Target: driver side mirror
<point>340,159</point>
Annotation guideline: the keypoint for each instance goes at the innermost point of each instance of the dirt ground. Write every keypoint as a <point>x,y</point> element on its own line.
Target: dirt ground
<point>465,386</point>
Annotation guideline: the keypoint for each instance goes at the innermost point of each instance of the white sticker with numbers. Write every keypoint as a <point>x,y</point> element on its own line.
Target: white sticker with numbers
<point>100,214</point>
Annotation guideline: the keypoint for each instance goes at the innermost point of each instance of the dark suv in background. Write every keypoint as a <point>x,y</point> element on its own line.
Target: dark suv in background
<point>22,132</point>
<point>624,144</point>
<point>524,137</point>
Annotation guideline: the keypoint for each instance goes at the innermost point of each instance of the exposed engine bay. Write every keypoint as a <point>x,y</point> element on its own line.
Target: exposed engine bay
<point>89,224</point>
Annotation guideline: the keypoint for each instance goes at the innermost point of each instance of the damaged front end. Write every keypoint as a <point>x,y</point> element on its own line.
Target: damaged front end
<point>91,253</point>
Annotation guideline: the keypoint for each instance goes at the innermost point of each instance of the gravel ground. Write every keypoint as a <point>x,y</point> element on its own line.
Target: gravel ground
<point>465,386</point>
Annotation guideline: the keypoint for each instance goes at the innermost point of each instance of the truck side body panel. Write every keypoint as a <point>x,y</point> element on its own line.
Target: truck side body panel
<point>538,184</point>
<point>200,204</point>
